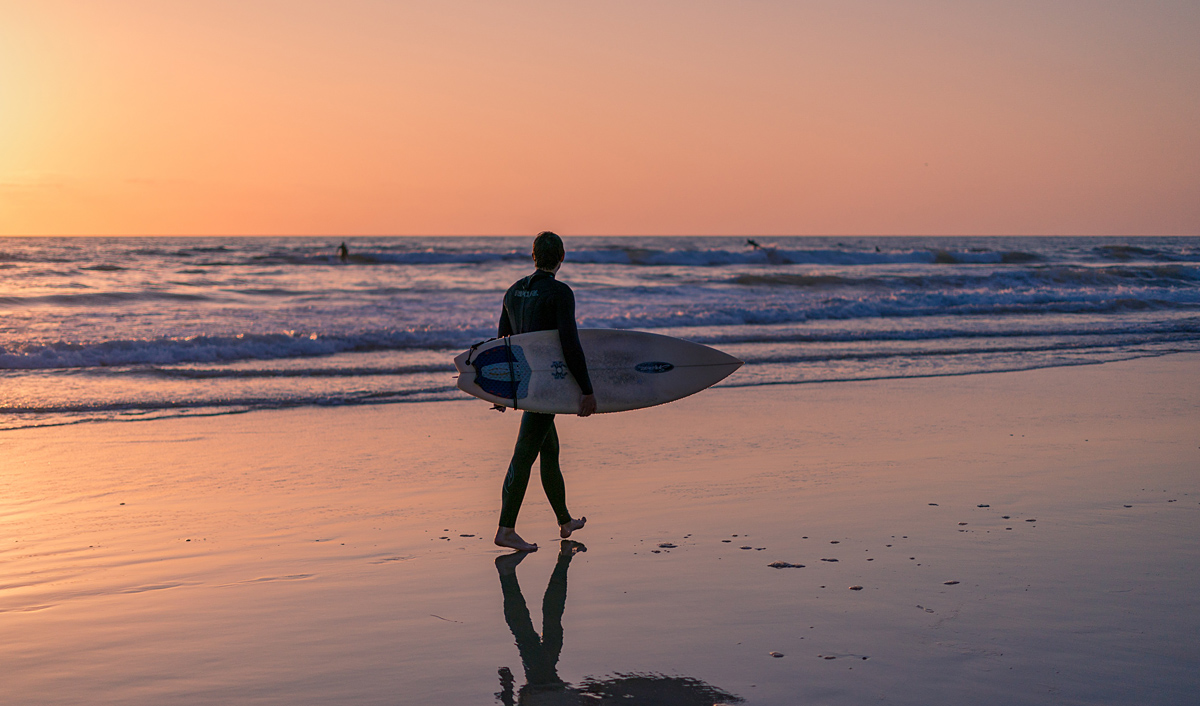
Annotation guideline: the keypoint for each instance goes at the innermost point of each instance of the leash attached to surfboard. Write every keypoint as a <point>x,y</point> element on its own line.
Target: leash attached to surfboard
<point>512,376</point>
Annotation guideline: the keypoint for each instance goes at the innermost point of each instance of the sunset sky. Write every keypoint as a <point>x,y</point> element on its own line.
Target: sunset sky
<point>671,117</point>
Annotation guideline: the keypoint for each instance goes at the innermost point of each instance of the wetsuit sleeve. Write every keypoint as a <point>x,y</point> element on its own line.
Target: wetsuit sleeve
<point>505,327</point>
<point>568,334</point>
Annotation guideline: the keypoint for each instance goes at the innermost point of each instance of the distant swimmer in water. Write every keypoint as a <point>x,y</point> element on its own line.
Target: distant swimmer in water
<point>343,252</point>
<point>773,256</point>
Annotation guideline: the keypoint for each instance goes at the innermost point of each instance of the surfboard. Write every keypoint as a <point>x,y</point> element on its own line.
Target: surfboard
<point>629,370</point>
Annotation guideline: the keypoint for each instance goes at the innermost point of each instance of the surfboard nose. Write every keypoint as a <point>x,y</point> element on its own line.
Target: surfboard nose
<point>728,359</point>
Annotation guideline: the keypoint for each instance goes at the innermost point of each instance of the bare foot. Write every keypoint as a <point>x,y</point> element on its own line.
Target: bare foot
<point>569,547</point>
<point>508,537</point>
<point>565,529</point>
<point>506,564</point>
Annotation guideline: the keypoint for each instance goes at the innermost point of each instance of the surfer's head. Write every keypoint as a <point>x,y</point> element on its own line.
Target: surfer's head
<point>548,250</point>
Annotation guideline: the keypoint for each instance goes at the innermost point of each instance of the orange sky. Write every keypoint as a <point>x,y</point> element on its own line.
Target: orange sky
<point>641,117</point>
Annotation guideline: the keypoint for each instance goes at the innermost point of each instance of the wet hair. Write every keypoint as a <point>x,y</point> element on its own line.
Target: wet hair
<point>548,250</point>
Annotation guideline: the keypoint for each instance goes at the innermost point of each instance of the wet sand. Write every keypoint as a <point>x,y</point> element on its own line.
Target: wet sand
<point>1013,538</point>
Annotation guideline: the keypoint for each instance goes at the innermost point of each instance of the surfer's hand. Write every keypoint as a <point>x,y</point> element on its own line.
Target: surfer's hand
<point>499,407</point>
<point>587,405</point>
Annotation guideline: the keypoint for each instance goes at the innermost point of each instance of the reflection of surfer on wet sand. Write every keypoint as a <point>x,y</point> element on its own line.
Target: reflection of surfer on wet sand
<point>539,655</point>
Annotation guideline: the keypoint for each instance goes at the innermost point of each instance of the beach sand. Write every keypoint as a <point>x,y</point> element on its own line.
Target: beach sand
<point>1019,538</point>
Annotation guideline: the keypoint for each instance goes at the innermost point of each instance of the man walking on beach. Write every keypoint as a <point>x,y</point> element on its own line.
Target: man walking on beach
<point>539,302</point>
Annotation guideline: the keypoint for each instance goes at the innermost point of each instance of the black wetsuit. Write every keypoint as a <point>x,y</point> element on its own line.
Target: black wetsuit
<point>540,303</point>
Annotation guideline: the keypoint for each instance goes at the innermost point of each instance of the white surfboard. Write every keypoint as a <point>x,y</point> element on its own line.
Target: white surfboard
<point>629,370</point>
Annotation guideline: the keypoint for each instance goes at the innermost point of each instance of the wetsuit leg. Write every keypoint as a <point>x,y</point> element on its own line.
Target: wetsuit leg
<point>530,440</point>
<point>552,477</point>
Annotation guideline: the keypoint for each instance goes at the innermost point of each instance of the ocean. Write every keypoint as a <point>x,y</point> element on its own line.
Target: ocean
<point>110,329</point>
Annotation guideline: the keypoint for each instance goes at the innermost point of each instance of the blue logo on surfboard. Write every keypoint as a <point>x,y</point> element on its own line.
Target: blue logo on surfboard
<point>558,370</point>
<point>656,366</point>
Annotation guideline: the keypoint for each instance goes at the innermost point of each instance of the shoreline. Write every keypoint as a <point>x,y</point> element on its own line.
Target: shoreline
<point>722,385</point>
<point>316,556</point>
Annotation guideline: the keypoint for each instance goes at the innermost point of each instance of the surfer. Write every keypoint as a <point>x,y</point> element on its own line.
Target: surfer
<point>343,252</point>
<point>539,302</point>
